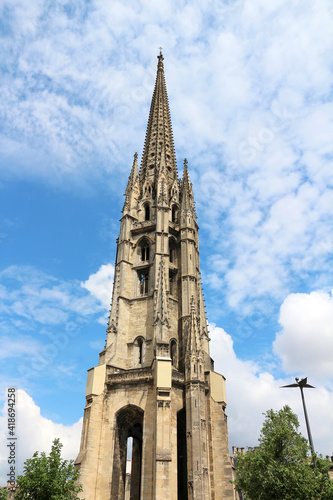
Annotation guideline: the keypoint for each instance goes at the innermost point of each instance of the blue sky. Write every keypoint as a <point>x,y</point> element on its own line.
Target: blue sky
<point>250,92</point>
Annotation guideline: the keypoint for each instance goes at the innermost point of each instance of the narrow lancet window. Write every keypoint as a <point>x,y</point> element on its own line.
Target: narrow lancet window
<point>173,352</point>
<point>140,344</point>
<point>145,253</point>
<point>143,282</point>
<point>171,285</point>
<point>174,214</point>
<point>147,212</point>
<point>172,251</point>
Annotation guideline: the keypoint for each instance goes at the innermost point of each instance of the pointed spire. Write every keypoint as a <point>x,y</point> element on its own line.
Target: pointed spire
<point>159,138</point>
<point>186,176</point>
<point>133,177</point>
<point>135,171</point>
<point>161,305</point>
<point>187,202</point>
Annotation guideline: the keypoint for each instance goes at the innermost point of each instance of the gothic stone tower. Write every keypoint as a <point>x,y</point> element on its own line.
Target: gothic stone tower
<point>155,381</point>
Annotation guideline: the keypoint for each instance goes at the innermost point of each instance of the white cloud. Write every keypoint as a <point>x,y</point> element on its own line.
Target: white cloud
<point>100,284</point>
<point>35,433</point>
<point>32,296</point>
<point>42,316</point>
<point>305,343</point>
<point>252,390</point>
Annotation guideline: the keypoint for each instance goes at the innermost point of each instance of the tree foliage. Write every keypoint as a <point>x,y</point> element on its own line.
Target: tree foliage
<point>48,477</point>
<point>280,468</point>
<point>3,494</point>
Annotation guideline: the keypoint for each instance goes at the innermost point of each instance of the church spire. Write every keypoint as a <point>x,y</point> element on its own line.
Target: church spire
<point>159,137</point>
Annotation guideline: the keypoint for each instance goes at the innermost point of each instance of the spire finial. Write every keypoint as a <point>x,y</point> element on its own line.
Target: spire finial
<point>160,59</point>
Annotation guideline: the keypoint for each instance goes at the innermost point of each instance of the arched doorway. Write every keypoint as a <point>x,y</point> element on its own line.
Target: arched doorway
<point>129,424</point>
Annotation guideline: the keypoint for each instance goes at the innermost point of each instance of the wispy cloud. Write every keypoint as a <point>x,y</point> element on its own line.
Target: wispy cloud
<point>34,297</point>
<point>47,316</point>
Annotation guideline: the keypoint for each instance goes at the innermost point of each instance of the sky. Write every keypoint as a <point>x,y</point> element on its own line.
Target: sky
<point>250,92</point>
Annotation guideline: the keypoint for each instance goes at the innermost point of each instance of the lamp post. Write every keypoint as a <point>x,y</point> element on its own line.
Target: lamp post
<point>301,384</point>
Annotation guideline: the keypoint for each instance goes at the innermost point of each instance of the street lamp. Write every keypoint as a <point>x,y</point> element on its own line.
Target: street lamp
<point>301,384</point>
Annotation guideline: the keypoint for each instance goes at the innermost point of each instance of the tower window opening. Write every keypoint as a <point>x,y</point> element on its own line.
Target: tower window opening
<point>171,285</point>
<point>173,352</point>
<point>194,368</point>
<point>145,253</point>
<point>143,281</point>
<point>147,212</point>
<point>140,346</point>
<point>174,213</point>
<point>172,251</point>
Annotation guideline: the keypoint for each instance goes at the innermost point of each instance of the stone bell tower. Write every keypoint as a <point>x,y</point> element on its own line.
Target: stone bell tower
<point>154,393</point>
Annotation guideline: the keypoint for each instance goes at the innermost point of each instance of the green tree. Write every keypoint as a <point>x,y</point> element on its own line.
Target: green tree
<point>280,468</point>
<point>3,494</point>
<point>48,477</point>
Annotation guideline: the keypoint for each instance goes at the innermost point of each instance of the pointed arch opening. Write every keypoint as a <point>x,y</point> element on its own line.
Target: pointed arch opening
<point>172,251</point>
<point>147,211</point>
<point>174,213</point>
<point>138,351</point>
<point>171,283</point>
<point>143,261</point>
<point>143,276</point>
<point>126,477</point>
<point>143,250</point>
<point>173,353</point>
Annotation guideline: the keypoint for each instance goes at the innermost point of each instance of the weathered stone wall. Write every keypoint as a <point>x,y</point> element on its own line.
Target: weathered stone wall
<point>97,454</point>
<point>220,463</point>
